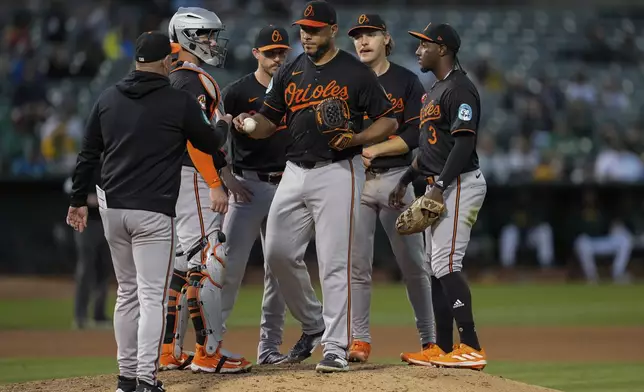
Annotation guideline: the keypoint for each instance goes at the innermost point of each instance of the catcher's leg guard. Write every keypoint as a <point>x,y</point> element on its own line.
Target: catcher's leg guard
<point>204,294</point>
<point>204,303</point>
<point>172,356</point>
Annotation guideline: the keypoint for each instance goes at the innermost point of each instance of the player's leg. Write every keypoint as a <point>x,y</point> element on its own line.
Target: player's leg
<point>541,239</point>
<point>242,227</point>
<point>153,249</point>
<point>584,250</point>
<point>289,228</point>
<point>103,272</point>
<point>361,268</point>
<point>508,245</point>
<point>126,311</point>
<point>622,242</point>
<point>198,229</point>
<point>334,193</point>
<point>450,236</point>
<point>410,255</point>
<point>177,316</point>
<point>271,326</point>
<point>84,275</point>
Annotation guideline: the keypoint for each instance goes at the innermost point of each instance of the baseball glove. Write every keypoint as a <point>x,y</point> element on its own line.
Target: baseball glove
<point>332,116</point>
<point>420,215</point>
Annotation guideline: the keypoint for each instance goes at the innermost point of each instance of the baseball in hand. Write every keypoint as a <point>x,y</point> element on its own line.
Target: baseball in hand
<point>249,125</point>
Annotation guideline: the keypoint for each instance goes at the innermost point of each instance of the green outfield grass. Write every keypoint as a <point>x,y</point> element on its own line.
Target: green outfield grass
<point>527,305</point>
<point>523,305</point>
<point>568,377</point>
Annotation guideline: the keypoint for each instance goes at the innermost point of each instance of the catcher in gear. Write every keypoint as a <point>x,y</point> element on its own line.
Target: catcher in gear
<point>332,117</point>
<point>455,193</point>
<point>199,271</point>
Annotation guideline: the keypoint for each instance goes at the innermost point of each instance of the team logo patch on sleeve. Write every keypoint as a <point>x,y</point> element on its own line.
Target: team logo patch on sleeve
<point>465,112</point>
<point>202,101</point>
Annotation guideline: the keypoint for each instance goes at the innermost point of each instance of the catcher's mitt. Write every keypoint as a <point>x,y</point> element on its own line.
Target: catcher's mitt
<point>420,215</point>
<point>332,115</point>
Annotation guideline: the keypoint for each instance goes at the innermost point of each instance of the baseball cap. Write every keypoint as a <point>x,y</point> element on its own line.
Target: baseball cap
<point>317,14</point>
<point>154,46</point>
<point>271,37</point>
<point>368,21</point>
<point>442,34</point>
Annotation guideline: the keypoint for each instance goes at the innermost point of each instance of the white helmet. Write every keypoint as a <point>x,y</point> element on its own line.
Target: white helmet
<point>188,27</point>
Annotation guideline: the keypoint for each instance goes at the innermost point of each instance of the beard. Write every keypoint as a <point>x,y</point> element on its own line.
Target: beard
<point>322,50</point>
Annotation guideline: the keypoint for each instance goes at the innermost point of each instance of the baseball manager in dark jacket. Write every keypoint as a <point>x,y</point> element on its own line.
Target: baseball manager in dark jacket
<point>141,126</point>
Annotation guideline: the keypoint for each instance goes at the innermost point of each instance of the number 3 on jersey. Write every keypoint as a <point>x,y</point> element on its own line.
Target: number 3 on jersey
<point>432,139</point>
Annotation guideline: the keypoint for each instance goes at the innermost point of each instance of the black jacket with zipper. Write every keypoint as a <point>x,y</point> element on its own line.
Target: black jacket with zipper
<point>141,126</point>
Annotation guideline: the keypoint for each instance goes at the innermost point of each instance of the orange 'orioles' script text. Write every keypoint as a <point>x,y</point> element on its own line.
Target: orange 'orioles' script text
<point>298,98</point>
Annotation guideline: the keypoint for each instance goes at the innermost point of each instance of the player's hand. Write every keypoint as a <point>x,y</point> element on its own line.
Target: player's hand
<point>228,118</point>
<point>77,218</point>
<point>435,194</point>
<point>238,121</point>
<point>240,193</point>
<point>397,195</point>
<point>367,156</point>
<point>218,200</point>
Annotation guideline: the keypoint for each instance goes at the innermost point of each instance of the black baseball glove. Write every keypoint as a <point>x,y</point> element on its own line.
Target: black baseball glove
<point>332,116</point>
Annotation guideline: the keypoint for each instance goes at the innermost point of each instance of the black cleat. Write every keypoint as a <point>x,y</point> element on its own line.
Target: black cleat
<point>331,364</point>
<point>145,387</point>
<point>274,358</point>
<point>304,347</point>
<point>126,384</point>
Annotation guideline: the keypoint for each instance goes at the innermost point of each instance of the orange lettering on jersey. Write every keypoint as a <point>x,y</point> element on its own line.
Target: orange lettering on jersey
<point>397,103</point>
<point>430,112</point>
<point>432,139</point>
<point>300,98</point>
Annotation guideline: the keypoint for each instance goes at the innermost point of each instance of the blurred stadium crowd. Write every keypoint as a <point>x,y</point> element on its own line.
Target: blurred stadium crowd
<point>562,89</point>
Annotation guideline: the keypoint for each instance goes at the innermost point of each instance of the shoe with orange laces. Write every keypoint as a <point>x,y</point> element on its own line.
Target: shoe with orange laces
<point>359,351</point>
<point>423,358</point>
<point>464,357</point>
<point>169,362</point>
<point>220,362</point>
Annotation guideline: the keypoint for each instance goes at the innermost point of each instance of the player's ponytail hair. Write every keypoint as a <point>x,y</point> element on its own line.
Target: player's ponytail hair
<point>390,46</point>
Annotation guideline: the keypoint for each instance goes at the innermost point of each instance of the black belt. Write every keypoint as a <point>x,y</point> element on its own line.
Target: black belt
<point>378,170</point>
<point>271,178</point>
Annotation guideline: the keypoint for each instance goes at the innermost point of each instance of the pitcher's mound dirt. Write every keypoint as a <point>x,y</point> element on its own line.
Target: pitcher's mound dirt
<point>303,378</point>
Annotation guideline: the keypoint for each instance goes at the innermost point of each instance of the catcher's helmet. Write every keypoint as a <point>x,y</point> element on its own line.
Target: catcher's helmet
<point>197,31</point>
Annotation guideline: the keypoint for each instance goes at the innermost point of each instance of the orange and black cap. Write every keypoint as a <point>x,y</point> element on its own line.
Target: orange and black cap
<point>271,37</point>
<point>442,34</point>
<point>154,46</point>
<point>317,14</point>
<point>368,21</point>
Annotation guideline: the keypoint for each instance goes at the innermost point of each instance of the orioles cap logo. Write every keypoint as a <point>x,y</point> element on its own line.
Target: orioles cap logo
<point>363,19</point>
<point>309,11</point>
<point>276,37</point>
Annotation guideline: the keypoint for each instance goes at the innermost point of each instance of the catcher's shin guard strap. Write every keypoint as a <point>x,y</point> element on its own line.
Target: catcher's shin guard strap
<point>204,303</point>
<point>203,243</point>
<point>177,283</point>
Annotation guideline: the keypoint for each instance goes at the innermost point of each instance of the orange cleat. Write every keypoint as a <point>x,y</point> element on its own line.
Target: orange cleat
<point>169,362</point>
<point>464,357</point>
<point>220,362</point>
<point>359,351</point>
<point>424,357</point>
